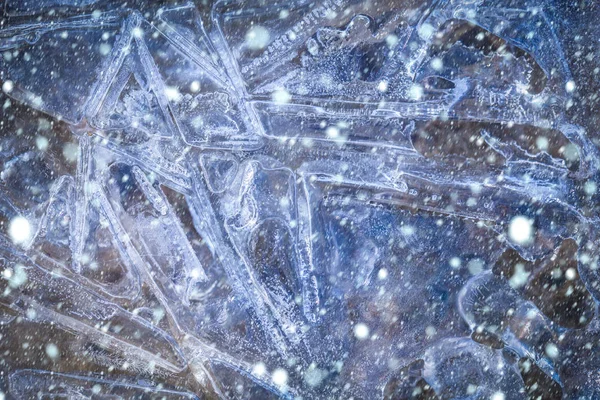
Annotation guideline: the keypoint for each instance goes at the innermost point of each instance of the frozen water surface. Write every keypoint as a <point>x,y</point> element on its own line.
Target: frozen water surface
<point>338,199</point>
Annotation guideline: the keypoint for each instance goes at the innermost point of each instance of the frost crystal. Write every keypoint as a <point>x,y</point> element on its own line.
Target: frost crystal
<point>302,199</point>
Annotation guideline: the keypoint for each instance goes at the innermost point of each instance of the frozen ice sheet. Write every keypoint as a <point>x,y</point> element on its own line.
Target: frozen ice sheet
<point>331,199</point>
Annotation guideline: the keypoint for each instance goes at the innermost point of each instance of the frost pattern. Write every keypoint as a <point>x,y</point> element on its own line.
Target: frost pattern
<point>340,199</point>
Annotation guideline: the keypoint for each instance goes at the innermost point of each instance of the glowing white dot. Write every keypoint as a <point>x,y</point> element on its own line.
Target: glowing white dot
<point>382,274</point>
<point>475,266</point>
<point>41,143</point>
<point>391,40</point>
<point>551,350</point>
<point>455,262</point>
<point>280,377</point>
<point>18,278</point>
<point>52,350</point>
<point>7,86</point>
<point>259,369</point>
<point>542,143</point>
<point>105,48</point>
<point>407,230</point>
<point>31,313</point>
<point>430,331</point>
<point>497,396</point>
<point>590,188</point>
<point>520,277</point>
<point>19,230</point>
<point>138,32</point>
<point>70,152</point>
<point>415,92</point>
<point>281,96</point>
<point>520,230</point>
<point>437,64</point>
<point>173,93</point>
<point>361,331</point>
<point>196,273</point>
<point>195,86</point>
<point>383,86</point>
<point>570,152</point>
<point>257,37</point>
<point>7,273</point>
<point>570,274</point>
<point>570,86</point>
<point>425,31</point>
<point>332,132</point>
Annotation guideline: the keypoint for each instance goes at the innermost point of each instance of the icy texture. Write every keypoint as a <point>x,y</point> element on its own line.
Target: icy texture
<point>331,199</point>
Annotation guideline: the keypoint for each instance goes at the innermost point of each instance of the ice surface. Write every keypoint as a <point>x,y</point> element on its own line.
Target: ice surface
<point>331,199</point>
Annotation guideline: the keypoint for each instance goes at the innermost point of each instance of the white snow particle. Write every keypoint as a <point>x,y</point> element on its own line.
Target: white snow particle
<point>257,37</point>
<point>570,86</point>
<point>382,274</point>
<point>281,96</point>
<point>314,376</point>
<point>361,331</point>
<point>407,230</point>
<point>542,143</point>
<point>259,369</point>
<point>426,31</point>
<point>105,48</point>
<point>173,94</point>
<point>430,331</point>
<point>18,278</point>
<point>391,40</point>
<point>551,350</point>
<point>19,230</point>
<point>437,64</point>
<point>52,350</point>
<point>41,143</point>
<point>195,86</point>
<point>332,132</point>
<point>498,396</point>
<point>138,32</point>
<point>475,266</point>
<point>70,152</point>
<point>455,262</point>
<point>7,86</point>
<point>7,273</point>
<point>590,188</point>
<point>519,278</point>
<point>31,313</point>
<point>570,152</point>
<point>280,377</point>
<point>196,273</point>
<point>520,230</point>
<point>415,92</point>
